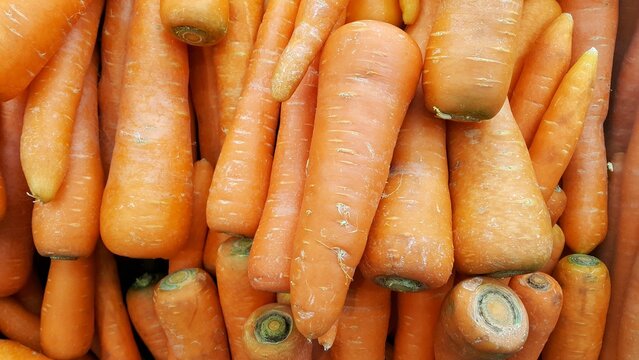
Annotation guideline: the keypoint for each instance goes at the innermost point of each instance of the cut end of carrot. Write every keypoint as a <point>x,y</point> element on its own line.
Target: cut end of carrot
<point>194,36</point>
<point>538,282</point>
<point>145,281</point>
<point>498,309</point>
<point>273,327</point>
<point>241,246</point>
<point>400,284</point>
<point>583,260</point>
<point>178,279</point>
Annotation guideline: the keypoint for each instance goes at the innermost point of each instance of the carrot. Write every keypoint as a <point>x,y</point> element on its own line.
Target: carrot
<point>270,333</point>
<point>237,298</point>
<point>67,227</point>
<point>16,246</point>
<point>283,298</point>
<point>558,242</point>
<point>421,29</point>
<point>13,350</point>
<point>541,73</point>
<point>536,17</point>
<point>561,125</point>
<point>500,222</point>
<point>199,23</point>
<point>240,183</point>
<point>201,334</point>
<point>270,257</point>
<point>585,220</point>
<point>542,297</point>
<point>357,120</point>
<point>387,11</point>
<point>467,73</point>
<point>31,293</point>
<point>586,287</point>
<point>213,241</point>
<point>627,23</point>
<point>113,41</point>
<point>139,302</point>
<point>19,324</point>
<point>112,321</point>
<point>626,341</point>
<point>54,95</point>
<point>556,204</point>
<point>67,319</point>
<point>606,250</point>
<point>410,10</point>
<point>3,198</point>
<point>480,319</point>
<point>417,318</point>
<point>327,339</point>
<point>148,196</point>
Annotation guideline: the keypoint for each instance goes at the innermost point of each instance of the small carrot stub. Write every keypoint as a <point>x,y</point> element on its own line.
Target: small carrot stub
<point>386,11</point>
<point>198,23</point>
<point>480,319</point>
<point>558,242</point>
<point>213,241</point>
<point>467,73</point>
<point>579,331</point>
<point>139,303</point>
<point>13,350</point>
<point>556,204</point>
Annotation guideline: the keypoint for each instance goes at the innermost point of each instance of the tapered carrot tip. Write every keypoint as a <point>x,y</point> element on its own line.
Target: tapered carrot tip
<point>400,284</point>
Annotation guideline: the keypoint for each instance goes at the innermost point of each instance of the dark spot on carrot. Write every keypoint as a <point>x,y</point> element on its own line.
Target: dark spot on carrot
<point>400,284</point>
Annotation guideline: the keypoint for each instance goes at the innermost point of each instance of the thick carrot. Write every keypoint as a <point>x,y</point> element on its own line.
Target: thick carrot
<point>16,246</point>
<point>316,20</point>
<point>386,11</point>
<point>270,258</point>
<point>198,23</point>
<point>148,197</point>
<point>54,95</point>
<point>556,204</point>
<point>19,324</point>
<point>626,341</point>
<point>558,242</point>
<point>542,71</point>
<point>270,333</point>
<point>359,112</point>
<point>115,30</point>
<point>13,350</point>
<point>467,73</point>
<point>480,319</point>
<point>606,250</point>
<point>410,10</point>
<point>585,220</point>
<point>240,182</point>
<point>237,298</point>
<point>586,286</point>
<point>201,334</point>
<point>542,297</point>
<point>561,125</point>
<point>32,31</point>
<point>67,227</point>
<point>139,302</point>
<point>417,318</point>
<point>213,241</point>
<point>501,225</point>
<point>67,318</point>
<point>30,295</point>
<point>111,317</point>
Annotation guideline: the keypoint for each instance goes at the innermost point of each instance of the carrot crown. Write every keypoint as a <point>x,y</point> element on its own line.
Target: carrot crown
<point>241,246</point>
<point>178,279</point>
<point>145,281</point>
<point>538,282</point>
<point>583,260</point>
<point>400,284</point>
<point>273,327</point>
<point>497,309</point>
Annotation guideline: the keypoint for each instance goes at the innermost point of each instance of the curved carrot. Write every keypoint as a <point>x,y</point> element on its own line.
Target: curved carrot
<point>606,250</point>
<point>467,73</point>
<point>30,295</point>
<point>54,95</point>
<point>115,30</point>
<point>148,195</point>
<point>32,31</point>
<point>270,258</point>
<point>16,246</point>
<point>213,241</point>
<point>579,331</point>
<point>139,303</point>
<point>556,204</point>
<point>541,73</point>
<point>558,242</point>
<point>240,182</point>
<point>13,350</point>
<point>480,319</point>
<point>410,10</point>
<point>19,324</point>
<point>501,225</point>
<point>387,11</point>
<point>199,23</point>
<point>542,297</point>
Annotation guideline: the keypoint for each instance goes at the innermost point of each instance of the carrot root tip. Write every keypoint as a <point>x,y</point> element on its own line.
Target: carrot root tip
<point>177,279</point>
<point>583,260</point>
<point>273,327</point>
<point>400,284</point>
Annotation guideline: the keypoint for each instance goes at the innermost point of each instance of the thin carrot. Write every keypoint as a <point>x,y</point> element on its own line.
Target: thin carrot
<point>327,339</point>
<point>543,298</point>
<point>556,204</point>
<point>270,333</point>
<point>270,258</point>
<point>139,302</point>
<point>626,339</point>
<point>586,286</point>
<point>16,246</point>
<point>13,350</point>
<point>417,319</point>
<point>386,11</point>
<point>501,225</point>
<point>30,295</point>
<point>54,95</point>
<point>115,30</point>
<point>213,241</point>
<point>19,324</point>
<point>542,71</point>
<point>480,319</point>
<point>558,242</point>
<point>606,250</point>
<point>410,10</point>
<point>199,23</point>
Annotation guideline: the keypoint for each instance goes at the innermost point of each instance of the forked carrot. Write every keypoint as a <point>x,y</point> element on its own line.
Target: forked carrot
<point>213,241</point>
<point>606,250</point>
<point>198,23</point>
<point>139,303</point>
<point>387,11</point>
<point>19,324</point>
<point>558,242</point>
<point>30,295</point>
<point>13,350</point>
<point>556,204</point>
<point>410,10</point>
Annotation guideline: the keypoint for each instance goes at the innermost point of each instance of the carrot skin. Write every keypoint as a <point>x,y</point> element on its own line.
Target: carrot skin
<point>626,341</point>
<point>558,243</point>
<point>139,303</point>
<point>13,350</point>
<point>606,251</point>
<point>213,241</point>
<point>19,324</point>
<point>556,204</point>
<point>30,295</point>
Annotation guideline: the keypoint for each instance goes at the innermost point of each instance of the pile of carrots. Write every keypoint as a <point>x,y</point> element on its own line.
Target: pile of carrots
<point>310,179</point>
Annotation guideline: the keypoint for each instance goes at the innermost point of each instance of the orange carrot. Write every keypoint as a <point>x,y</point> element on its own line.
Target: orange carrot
<point>501,225</point>
<point>213,241</point>
<point>3,198</point>
<point>327,339</point>
<point>115,32</point>
<point>606,250</point>
<point>270,258</point>
<point>270,333</point>
<point>283,298</point>
<point>410,10</point>
<point>467,73</point>
<point>480,319</point>
<point>147,201</point>
<point>558,242</point>
<point>386,11</point>
<point>13,350</point>
<point>139,302</point>
<point>32,32</point>
<point>16,246</point>
<point>67,319</point>
<point>30,295</point>
<point>54,95</point>
<point>542,71</point>
<point>421,29</point>
<point>542,297</point>
<point>417,318</point>
<point>556,204</point>
<point>626,334</point>
<point>579,331</point>
<point>200,23</point>
<point>19,324</point>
